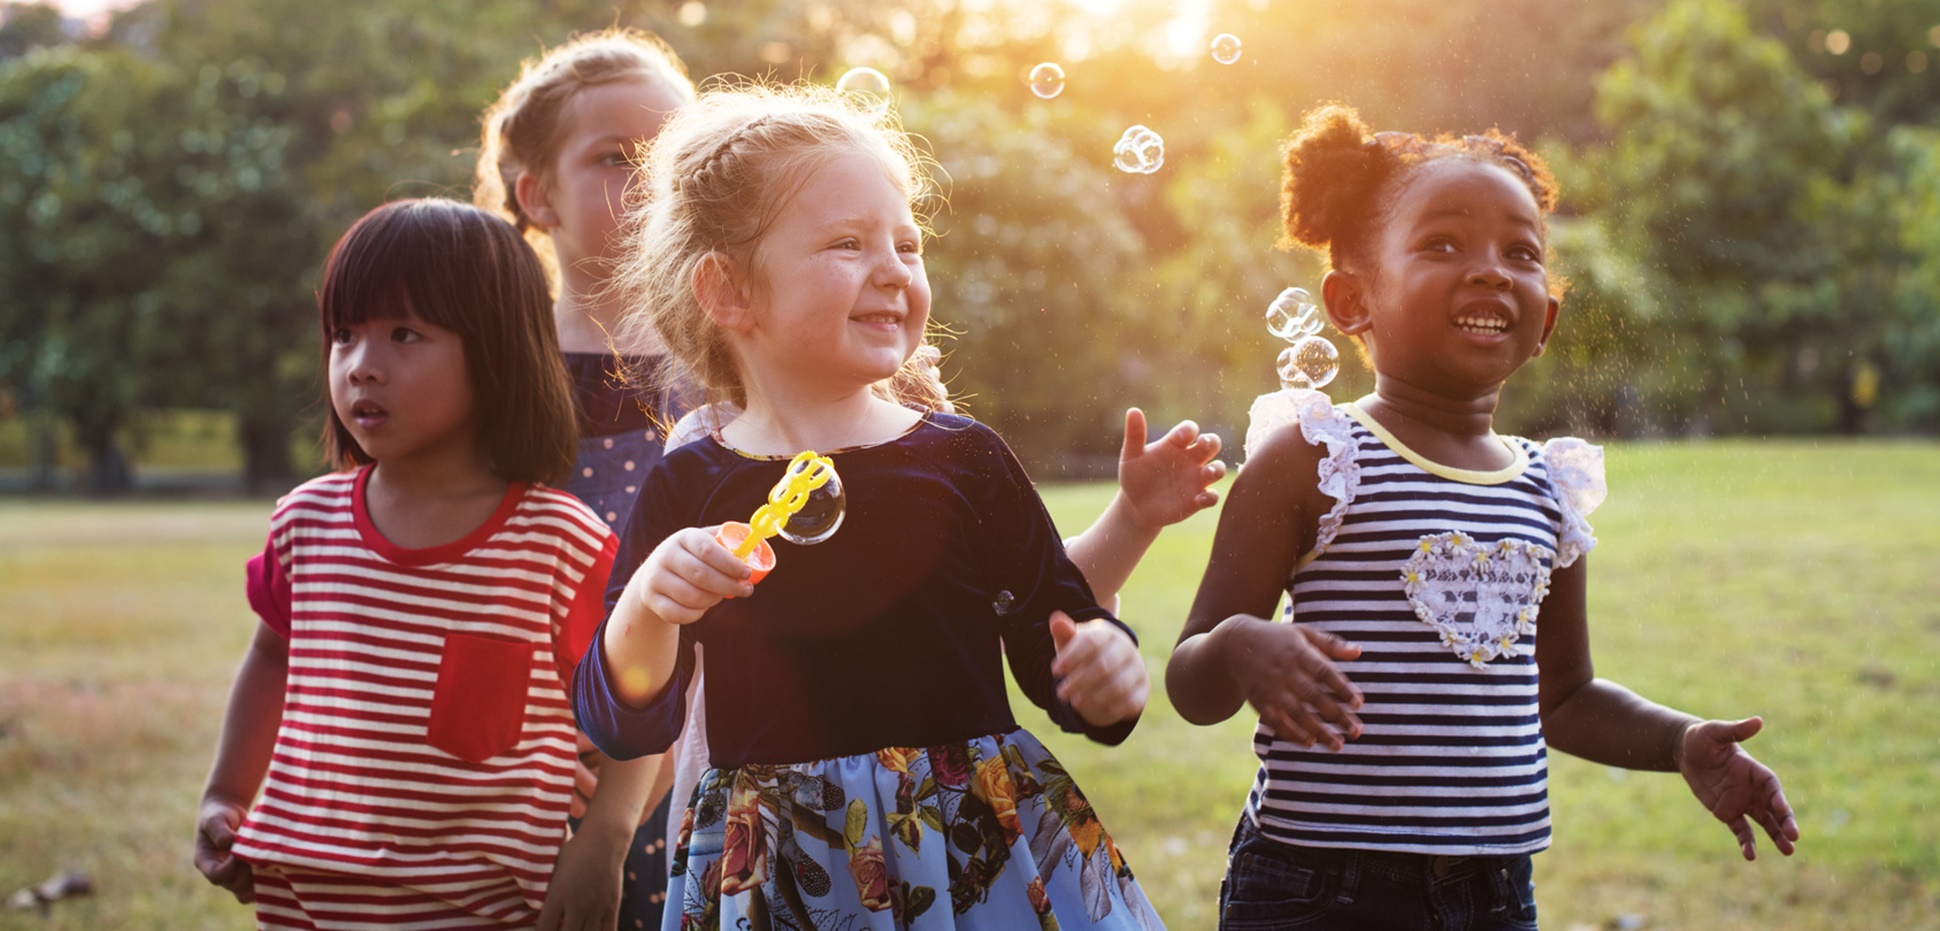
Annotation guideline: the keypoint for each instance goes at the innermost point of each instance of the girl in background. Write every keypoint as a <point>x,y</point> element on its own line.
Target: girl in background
<point>1435,570</point>
<point>558,155</point>
<point>403,707</point>
<point>866,769</point>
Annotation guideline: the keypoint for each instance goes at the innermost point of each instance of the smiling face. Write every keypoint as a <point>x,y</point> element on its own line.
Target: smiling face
<point>838,294</point>
<point>1458,297</point>
<point>580,198</point>
<point>399,385</point>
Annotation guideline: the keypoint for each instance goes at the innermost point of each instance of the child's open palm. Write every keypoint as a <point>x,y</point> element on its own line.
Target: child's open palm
<point>1165,481</point>
<point>1736,788</point>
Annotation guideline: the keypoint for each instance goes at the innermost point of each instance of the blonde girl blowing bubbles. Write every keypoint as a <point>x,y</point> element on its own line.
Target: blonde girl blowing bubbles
<point>558,157</point>
<point>1436,571</point>
<point>866,769</point>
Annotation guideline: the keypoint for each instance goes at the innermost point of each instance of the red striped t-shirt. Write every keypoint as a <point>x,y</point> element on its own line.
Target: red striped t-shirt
<point>427,739</point>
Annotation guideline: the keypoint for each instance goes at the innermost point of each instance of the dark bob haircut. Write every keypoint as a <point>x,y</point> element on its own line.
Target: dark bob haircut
<point>470,272</point>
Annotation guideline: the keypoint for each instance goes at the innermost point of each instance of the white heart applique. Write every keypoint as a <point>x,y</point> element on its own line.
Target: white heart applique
<point>1481,597</point>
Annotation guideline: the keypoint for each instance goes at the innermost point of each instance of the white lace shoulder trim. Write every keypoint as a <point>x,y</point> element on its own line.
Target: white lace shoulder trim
<point>1576,470</point>
<point>1322,424</point>
<point>698,423</point>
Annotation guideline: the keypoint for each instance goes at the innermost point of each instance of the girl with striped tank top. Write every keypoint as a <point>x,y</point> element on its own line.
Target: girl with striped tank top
<point>1437,641</point>
<point>399,744</point>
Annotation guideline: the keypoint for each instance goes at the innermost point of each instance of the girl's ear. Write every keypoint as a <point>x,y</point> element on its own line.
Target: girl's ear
<point>1549,326</point>
<point>535,198</point>
<point>718,286</point>
<point>1345,295</point>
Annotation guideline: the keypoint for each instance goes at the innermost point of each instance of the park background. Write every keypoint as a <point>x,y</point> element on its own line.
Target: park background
<point>1750,227</point>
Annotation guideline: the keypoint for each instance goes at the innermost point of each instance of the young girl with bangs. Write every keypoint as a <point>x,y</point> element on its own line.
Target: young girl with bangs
<point>403,707</point>
<point>866,769</point>
<point>559,153</point>
<point>1435,571</point>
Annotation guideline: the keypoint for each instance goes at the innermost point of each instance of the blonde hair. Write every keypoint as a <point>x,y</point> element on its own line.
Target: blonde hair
<point>714,180</point>
<point>524,129</point>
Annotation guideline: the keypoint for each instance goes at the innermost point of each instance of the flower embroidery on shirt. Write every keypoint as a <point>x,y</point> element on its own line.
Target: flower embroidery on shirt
<point>1480,597</point>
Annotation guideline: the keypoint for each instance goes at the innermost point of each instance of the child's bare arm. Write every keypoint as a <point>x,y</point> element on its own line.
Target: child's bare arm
<point>586,882</point>
<point>1159,484</point>
<point>1231,652</point>
<point>688,573</point>
<point>242,758</point>
<point>1602,721</point>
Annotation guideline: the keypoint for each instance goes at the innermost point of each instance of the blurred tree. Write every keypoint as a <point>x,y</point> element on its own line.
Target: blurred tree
<point>1038,278</point>
<point>25,26</point>
<point>85,228</point>
<point>1727,176</point>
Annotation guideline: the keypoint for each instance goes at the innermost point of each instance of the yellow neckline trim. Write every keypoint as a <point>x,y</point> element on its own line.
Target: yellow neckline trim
<point>1500,476</point>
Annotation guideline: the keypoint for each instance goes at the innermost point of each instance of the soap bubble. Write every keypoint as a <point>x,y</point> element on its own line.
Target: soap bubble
<point>821,515</point>
<point>868,85</point>
<point>1225,48</point>
<point>1047,80</point>
<point>1293,314</point>
<point>1310,363</point>
<point>1139,151</point>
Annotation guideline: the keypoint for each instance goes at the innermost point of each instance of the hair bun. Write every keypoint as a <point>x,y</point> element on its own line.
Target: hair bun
<point>1333,171</point>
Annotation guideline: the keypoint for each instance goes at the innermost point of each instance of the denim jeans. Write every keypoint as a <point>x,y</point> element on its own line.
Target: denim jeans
<point>1270,885</point>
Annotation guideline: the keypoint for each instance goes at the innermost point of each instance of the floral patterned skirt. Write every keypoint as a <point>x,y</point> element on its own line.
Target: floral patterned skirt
<point>984,833</point>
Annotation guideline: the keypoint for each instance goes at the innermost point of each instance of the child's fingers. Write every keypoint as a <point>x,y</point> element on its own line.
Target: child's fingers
<point>1317,666</point>
<point>703,547</point>
<point>712,569</point>
<point>1184,435</point>
<point>1209,446</point>
<point>1134,444</point>
<point>1775,813</point>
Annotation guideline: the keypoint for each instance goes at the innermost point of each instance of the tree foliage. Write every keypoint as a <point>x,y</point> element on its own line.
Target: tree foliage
<point>1748,215</point>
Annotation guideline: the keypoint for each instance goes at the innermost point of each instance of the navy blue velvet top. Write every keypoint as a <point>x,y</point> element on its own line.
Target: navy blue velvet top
<point>891,633</point>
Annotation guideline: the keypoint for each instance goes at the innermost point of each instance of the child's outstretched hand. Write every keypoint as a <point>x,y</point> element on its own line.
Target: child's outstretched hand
<point>1735,787</point>
<point>1100,672</point>
<point>1166,481</point>
<point>690,572</point>
<point>215,835</point>
<point>1287,673</point>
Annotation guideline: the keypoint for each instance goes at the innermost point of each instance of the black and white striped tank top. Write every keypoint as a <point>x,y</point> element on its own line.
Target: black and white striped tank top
<point>1437,574</point>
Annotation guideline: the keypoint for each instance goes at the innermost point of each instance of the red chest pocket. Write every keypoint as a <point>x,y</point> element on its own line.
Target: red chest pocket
<point>478,707</point>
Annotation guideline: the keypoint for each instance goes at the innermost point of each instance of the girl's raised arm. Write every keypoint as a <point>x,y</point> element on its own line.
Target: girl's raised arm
<point>1159,484</point>
<point>1231,651</point>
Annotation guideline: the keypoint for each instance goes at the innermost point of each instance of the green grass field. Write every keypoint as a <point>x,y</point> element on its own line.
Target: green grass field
<point>1786,579</point>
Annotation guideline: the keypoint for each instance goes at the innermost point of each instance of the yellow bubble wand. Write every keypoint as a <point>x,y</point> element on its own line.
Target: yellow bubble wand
<point>805,473</point>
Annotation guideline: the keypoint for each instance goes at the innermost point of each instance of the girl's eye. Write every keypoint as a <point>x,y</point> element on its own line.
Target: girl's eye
<point>911,247</point>
<point>404,334</point>
<point>1525,254</point>
<point>848,244</point>
<point>1438,244</point>
<point>616,160</point>
<point>340,336</point>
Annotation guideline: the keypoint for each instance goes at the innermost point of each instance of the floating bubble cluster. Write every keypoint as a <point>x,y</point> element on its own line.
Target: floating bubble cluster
<point>1225,48</point>
<point>1311,362</point>
<point>1047,80</point>
<point>821,515</point>
<point>1293,314</point>
<point>868,85</point>
<point>1139,151</point>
